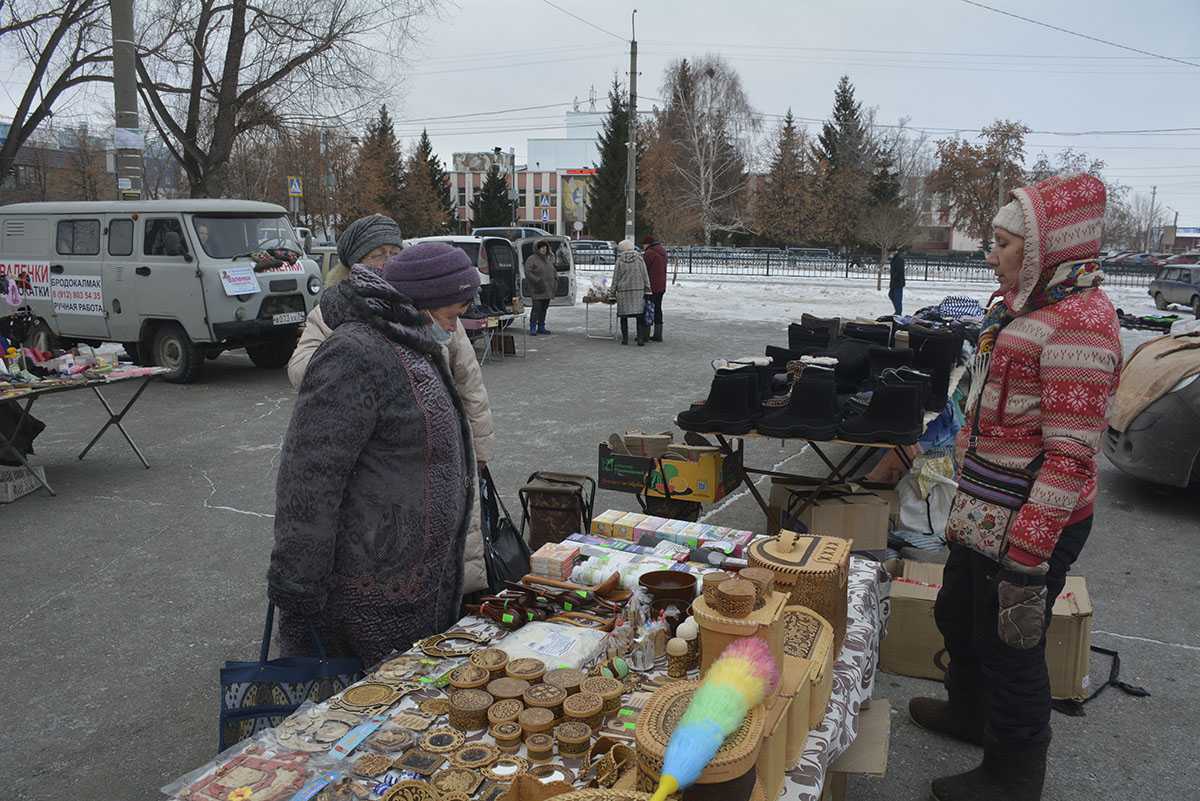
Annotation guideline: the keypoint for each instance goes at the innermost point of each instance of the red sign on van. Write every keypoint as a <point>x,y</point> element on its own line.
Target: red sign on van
<point>32,278</point>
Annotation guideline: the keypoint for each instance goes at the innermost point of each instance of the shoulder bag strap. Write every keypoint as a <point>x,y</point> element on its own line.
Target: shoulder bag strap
<point>265,649</point>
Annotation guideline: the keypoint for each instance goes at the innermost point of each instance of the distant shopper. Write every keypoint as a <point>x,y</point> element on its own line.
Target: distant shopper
<point>540,277</point>
<point>373,496</point>
<point>1048,362</point>
<point>631,283</point>
<point>656,265</point>
<point>896,282</point>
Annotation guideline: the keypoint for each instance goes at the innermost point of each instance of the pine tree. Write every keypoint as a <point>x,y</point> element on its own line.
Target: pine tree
<point>438,177</point>
<point>423,212</point>
<point>782,204</point>
<point>606,193</point>
<point>379,171</point>
<point>841,162</point>
<point>884,185</point>
<point>843,139</point>
<point>491,206</point>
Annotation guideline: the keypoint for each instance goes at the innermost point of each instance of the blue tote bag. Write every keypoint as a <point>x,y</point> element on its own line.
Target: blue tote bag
<point>259,695</point>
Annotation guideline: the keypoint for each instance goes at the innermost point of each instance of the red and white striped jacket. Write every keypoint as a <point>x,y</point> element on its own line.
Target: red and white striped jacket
<point>1053,372</point>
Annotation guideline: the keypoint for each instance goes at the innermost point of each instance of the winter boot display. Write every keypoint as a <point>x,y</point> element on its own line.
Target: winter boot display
<point>880,358</point>
<point>806,338</point>
<point>853,369</point>
<point>894,416</point>
<point>935,351</point>
<point>761,366</point>
<point>728,408</point>
<point>781,356</point>
<point>812,409</point>
<point>877,333</point>
<point>909,375</point>
<point>1008,773</point>
<point>938,715</point>
<point>832,324</point>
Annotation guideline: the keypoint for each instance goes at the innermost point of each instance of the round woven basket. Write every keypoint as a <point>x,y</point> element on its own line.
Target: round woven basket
<point>567,679</point>
<point>469,709</point>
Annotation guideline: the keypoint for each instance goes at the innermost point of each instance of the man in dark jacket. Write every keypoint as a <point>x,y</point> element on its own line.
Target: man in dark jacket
<point>655,256</point>
<point>896,282</point>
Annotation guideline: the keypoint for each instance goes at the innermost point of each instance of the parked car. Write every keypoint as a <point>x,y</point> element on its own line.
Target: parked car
<point>810,253</point>
<point>1162,443</point>
<point>1184,258</point>
<point>512,234</point>
<point>473,246</point>
<point>1177,285</point>
<point>593,251</point>
<point>170,279</point>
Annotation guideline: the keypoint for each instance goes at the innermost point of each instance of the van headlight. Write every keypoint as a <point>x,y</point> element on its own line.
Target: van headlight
<point>314,284</point>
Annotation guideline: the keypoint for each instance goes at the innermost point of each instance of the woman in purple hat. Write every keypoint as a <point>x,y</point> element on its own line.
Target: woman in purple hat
<point>374,486</point>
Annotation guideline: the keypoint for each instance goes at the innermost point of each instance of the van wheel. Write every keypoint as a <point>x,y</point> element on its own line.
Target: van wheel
<point>42,338</point>
<point>273,353</point>
<point>173,349</point>
<point>1160,302</point>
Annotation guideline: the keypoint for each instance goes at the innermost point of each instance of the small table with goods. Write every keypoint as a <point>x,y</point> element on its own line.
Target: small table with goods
<point>26,394</point>
<point>529,695</point>
<point>488,333</point>
<point>587,319</point>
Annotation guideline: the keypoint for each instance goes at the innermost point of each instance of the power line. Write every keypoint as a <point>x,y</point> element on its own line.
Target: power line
<point>483,113</point>
<point>948,53</point>
<point>1080,35</point>
<point>584,21</point>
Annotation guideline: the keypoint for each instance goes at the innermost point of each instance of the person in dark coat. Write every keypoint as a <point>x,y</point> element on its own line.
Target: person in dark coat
<point>656,265</point>
<point>373,496</point>
<point>896,282</point>
<point>540,276</point>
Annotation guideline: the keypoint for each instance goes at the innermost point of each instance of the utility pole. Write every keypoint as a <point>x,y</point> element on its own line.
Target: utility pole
<point>127,135</point>
<point>1150,222</point>
<point>631,168</point>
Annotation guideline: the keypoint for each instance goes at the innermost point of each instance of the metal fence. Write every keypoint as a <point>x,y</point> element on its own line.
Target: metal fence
<point>693,260</point>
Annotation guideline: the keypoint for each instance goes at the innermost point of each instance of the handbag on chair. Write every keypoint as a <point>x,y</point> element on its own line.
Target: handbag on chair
<point>505,552</point>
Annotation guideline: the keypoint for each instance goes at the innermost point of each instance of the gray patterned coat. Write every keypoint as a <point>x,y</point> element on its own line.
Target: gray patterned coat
<point>373,492</point>
<point>631,282</point>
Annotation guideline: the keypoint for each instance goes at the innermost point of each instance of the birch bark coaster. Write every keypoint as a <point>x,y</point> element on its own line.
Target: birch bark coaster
<point>442,741</point>
<point>420,762</point>
<point>525,668</point>
<point>457,780</point>
<point>609,690</point>
<point>763,581</point>
<point>469,708</point>
<point>475,756</point>
<point>540,746</point>
<point>469,677</point>
<point>573,738</point>
<point>553,773</point>
<point>506,768</point>
<point>585,707</point>
<point>504,710</point>
<point>535,720</point>
<point>372,765</point>
<point>567,679</point>
<point>493,660</point>
<point>735,598</point>
<point>710,581</point>
<point>507,736</point>
<point>546,696</point>
<point>435,706</point>
<point>411,791</point>
<point>507,687</point>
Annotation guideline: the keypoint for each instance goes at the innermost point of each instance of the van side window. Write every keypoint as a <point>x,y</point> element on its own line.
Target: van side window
<point>78,238</point>
<point>120,238</point>
<point>164,237</point>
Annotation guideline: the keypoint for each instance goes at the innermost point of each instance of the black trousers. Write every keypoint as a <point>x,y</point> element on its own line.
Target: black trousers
<point>538,315</point>
<point>643,331</point>
<point>1008,686</point>
<point>658,299</point>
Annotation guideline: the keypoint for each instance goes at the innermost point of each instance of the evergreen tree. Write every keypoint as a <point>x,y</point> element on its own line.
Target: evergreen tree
<point>781,210</point>
<point>606,192</point>
<point>884,185</point>
<point>379,170</point>
<point>843,139</point>
<point>438,177</point>
<point>423,210</point>
<point>491,206</point>
<point>842,164</point>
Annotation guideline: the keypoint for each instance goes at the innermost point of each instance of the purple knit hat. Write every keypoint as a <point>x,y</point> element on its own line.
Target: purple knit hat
<point>432,275</point>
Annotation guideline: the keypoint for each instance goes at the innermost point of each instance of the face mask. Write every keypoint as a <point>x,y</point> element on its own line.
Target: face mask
<point>440,335</point>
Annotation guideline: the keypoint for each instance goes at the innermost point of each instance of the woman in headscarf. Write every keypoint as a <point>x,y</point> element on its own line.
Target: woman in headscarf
<point>371,241</point>
<point>1048,362</point>
<point>373,497</point>
<point>540,276</point>
<point>631,283</point>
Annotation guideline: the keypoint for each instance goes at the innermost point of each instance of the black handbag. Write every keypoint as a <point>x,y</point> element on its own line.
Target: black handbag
<point>505,552</point>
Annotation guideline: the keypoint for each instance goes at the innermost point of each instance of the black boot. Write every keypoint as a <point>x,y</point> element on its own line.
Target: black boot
<point>940,716</point>
<point>880,358</point>
<point>728,408</point>
<point>624,331</point>
<point>909,375</point>
<point>894,416</point>
<point>657,333</point>
<point>812,410</point>
<point>643,333</point>
<point>935,351</point>
<point>853,367</point>
<point>832,324</point>
<point>804,337</point>
<point>1008,773</point>
<point>877,333</point>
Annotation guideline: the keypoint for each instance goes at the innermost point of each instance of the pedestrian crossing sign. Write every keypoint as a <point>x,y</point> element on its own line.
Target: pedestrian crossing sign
<point>545,215</point>
<point>545,201</point>
<point>295,186</point>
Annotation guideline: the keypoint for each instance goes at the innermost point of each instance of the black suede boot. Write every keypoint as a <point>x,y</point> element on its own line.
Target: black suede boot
<point>1008,773</point>
<point>935,351</point>
<point>812,410</point>
<point>728,407</point>
<point>939,716</point>
<point>802,337</point>
<point>894,416</point>
<point>853,367</point>
<point>643,333</point>
<point>880,358</point>
<point>878,333</point>
<point>831,324</point>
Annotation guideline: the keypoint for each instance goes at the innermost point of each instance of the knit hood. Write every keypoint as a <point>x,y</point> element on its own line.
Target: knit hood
<point>1064,221</point>
<point>629,256</point>
<point>366,298</point>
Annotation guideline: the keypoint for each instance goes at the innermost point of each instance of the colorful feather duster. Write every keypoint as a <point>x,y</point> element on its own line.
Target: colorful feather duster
<point>736,682</point>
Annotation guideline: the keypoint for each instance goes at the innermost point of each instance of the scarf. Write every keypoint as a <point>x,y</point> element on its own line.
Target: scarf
<point>1068,278</point>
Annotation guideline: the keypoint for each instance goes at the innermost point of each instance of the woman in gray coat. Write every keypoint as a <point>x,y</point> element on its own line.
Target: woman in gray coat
<point>631,283</point>
<point>540,278</point>
<point>374,486</point>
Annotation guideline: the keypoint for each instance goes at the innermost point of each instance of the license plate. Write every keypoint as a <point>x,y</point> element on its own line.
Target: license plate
<point>288,317</point>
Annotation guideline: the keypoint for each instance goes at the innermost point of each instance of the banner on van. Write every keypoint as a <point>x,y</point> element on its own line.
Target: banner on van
<point>31,277</point>
<point>77,294</point>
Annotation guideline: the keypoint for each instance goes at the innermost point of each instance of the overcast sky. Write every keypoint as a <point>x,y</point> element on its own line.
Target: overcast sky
<point>941,63</point>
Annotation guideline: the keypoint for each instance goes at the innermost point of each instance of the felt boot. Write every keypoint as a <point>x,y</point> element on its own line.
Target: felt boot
<point>935,351</point>
<point>939,716</point>
<point>728,407</point>
<point>1008,773</point>
<point>812,410</point>
<point>803,337</point>
<point>877,333</point>
<point>894,416</point>
<point>880,358</point>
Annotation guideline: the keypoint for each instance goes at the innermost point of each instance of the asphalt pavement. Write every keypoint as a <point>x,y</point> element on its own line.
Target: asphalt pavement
<point>126,592</point>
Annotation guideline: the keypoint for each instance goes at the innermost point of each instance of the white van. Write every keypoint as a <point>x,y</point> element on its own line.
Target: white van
<point>170,279</point>
<point>564,265</point>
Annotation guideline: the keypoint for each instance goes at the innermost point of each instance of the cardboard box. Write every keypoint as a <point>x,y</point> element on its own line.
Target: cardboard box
<point>707,480</point>
<point>861,516</point>
<point>17,482</point>
<point>914,646</point>
<point>602,523</point>
<point>867,755</point>
<point>623,529</point>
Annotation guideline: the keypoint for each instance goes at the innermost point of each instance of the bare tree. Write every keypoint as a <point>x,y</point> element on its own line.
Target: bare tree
<point>68,46</point>
<point>975,178</point>
<point>87,176</point>
<point>1147,215</point>
<point>212,71</point>
<point>710,121</point>
<point>888,227</point>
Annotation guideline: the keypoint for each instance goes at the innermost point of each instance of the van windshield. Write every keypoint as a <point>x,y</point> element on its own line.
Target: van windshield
<point>224,237</point>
